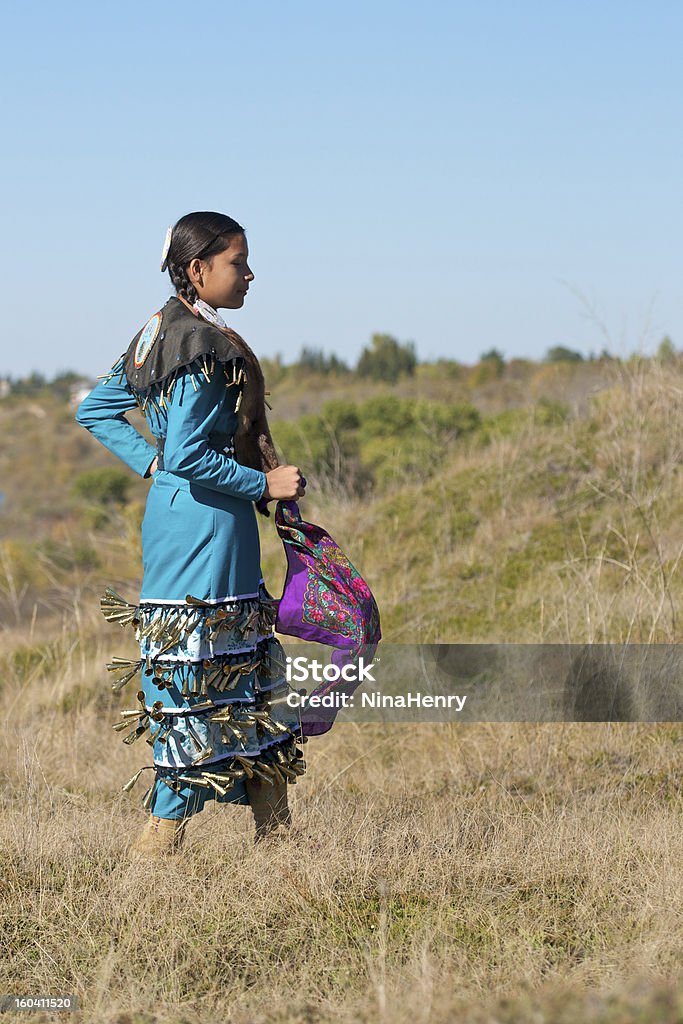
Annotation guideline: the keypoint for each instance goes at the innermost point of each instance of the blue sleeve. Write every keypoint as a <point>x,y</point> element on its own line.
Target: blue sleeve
<point>192,416</point>
<point>103,414</point>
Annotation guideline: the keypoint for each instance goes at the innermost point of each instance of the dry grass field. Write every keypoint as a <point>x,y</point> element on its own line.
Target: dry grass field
<point>436,873</point>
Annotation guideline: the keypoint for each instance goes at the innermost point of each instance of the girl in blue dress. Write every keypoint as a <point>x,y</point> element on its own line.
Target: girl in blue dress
<point>211,688</point>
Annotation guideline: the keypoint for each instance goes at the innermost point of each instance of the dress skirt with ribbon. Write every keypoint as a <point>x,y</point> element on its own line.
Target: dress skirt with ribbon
<point>212,699</point>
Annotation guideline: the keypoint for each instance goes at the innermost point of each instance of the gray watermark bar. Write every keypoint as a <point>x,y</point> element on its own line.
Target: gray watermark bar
<point>488,683</point>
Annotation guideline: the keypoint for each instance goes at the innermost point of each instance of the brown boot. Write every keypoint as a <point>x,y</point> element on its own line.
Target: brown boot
<point>159,837</point>
<point>269,807</point>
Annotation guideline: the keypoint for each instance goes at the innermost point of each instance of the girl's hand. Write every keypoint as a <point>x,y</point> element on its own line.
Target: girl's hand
<point>284,484</point>
<point>152,466</point>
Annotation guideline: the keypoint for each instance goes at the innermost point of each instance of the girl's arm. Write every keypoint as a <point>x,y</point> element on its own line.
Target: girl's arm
<point>103,414</point>
<point>192,416</point>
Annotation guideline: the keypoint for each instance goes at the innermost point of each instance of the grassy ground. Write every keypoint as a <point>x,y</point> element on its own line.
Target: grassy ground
<point>478,873</point>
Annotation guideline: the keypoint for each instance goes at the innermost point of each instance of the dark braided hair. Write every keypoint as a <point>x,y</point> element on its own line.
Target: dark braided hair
<point>200,235</point>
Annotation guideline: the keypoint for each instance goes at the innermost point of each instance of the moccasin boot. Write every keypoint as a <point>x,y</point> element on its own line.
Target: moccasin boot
<point>159,837</point>
<point>269,807</point>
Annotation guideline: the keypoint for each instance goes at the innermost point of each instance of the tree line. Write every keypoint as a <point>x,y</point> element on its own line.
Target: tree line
<point>384,359</point>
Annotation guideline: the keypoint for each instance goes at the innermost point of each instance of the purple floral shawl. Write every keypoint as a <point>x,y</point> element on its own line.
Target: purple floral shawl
<point>326,600</point>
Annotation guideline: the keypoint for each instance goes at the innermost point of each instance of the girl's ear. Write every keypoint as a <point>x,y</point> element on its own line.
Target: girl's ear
<point>194,272</point>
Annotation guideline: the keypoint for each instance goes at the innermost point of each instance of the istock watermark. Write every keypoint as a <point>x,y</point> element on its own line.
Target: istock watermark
<point>486,682</point>
<point>303,670</point>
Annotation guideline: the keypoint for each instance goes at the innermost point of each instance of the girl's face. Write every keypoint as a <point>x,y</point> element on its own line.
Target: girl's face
<point>223,280</point>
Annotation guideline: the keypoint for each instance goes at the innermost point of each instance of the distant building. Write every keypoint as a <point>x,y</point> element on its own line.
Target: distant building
<point>80,390</point>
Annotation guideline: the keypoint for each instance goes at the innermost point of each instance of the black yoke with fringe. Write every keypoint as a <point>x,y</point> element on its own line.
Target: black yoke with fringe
<point>182,339</point>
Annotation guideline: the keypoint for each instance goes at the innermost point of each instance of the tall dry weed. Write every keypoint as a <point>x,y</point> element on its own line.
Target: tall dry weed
<point>626,588</point>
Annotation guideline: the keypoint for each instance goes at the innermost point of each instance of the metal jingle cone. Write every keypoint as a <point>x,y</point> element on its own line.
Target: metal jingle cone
<point>149,796</point>
<point>221,790</point>
<point>131,782</point>
<point>235,730</point>
<point>194,736</point>
<point>136,734</point>
<point>197,602</point>
<point>194,781</point>
<point>205,756</point>
<point>222,776</point>
<point>246,766</point>
<point>264,771</point>
<point>120,726</point>
<point>203,705</point>
<point>119,684</point>
<point>160,736</point>
<point>278,774</point>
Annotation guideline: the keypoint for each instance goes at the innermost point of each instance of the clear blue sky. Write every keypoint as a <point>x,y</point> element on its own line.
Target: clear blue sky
<point>450,173</point>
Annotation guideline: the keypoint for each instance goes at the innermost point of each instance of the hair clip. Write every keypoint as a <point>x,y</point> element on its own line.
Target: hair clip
<point>167,246</point>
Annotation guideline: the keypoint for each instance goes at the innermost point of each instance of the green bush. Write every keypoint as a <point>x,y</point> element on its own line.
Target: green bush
<point>512,422</point>
<point>326,446</point>
<point>69,556</point>
<point>550,413</point>
<point>355,445</point>
<point>666,352</point>
<point>103,486</point>
<point>385,416</point>
<point>442,369</point>
<point>273,370</point>
<point>495,361</point>
<point>387,359</point>
<point>316,361</point>
<point>560,354</point>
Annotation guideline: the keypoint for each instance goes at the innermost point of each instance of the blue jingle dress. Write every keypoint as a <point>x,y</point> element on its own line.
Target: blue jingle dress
<point>211,700</point>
